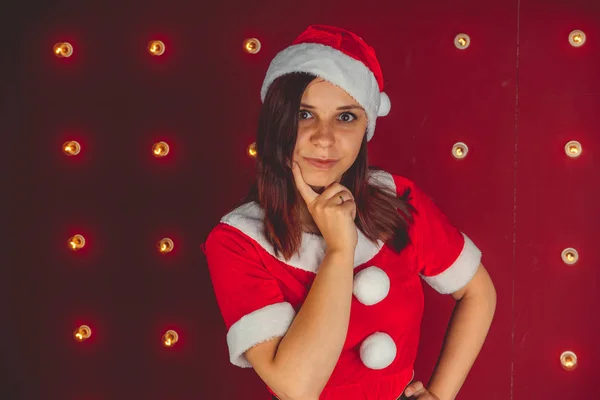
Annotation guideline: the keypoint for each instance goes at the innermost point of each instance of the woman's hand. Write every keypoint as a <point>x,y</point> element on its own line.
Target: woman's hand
<point>333,211</point>
<point>418,391</point>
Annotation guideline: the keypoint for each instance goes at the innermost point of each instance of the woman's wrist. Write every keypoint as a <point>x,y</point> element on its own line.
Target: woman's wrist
<point>342,253</point>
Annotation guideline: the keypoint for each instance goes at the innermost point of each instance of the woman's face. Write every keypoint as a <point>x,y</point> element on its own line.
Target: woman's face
<point>331,125</point>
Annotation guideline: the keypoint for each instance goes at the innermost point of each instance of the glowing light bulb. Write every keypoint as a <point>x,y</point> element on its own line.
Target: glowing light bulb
<point>156,47</point>
<point>76,242</point>
<point>573,149</point>
<point>577,38</point>
<point>71,148</point>
<point>568,360</point>
<point>160,149</point>
<point>82,333</point>
<point>170,338</point>
<point>252,150</point>
<point>252,45</point>
<point>165,245</point>
<point>460,150</point>
<point>63,50</point>
<point>569,256</point>
<point>462,41</point>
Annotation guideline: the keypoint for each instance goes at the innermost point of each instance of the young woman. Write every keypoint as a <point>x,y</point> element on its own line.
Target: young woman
<point>317,272</point>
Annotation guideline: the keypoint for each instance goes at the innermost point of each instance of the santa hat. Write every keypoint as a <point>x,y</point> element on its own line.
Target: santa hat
<point>340,57</point>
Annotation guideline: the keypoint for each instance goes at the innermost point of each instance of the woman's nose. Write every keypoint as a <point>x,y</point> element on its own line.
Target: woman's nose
<point>324,134</point>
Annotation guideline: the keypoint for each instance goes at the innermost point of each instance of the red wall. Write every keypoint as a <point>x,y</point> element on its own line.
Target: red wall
<point>515,97</point>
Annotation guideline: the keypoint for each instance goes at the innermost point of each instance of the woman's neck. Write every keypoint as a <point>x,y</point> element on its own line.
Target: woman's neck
<point>306,220</point>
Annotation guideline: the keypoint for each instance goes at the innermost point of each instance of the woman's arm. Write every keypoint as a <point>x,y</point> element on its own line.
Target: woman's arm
<point>307,354</point>
<point>467,330</point>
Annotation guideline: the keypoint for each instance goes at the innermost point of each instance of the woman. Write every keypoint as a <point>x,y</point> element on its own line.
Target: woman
<point>317,272</point>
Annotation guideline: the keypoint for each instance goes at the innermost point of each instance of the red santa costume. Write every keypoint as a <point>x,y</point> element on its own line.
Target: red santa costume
<point>260,293</point>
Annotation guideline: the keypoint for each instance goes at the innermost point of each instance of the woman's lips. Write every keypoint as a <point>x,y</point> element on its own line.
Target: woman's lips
<point>320,164</point>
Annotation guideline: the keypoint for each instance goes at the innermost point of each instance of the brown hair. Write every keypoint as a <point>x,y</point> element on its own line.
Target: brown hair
<point>377,207</point>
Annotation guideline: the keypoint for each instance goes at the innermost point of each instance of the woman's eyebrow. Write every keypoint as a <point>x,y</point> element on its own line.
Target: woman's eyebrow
<point>350,107</point>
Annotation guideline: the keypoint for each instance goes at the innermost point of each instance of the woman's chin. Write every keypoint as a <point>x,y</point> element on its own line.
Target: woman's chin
<point>319,181</point>
<point>317,189</point>
<point>319,185</point>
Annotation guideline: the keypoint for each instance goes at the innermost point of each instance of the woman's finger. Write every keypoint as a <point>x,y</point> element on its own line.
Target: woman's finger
<point>307,193</point>
<point>414,388</point>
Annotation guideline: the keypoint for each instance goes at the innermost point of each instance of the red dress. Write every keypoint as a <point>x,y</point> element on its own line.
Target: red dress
<point>259,294</point>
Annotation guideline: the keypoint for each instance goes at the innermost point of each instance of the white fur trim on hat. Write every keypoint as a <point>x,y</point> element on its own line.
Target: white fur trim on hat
<point>336,67</point>
<point>371,285</point>
<point>259,326</point>
<point>378,351</point>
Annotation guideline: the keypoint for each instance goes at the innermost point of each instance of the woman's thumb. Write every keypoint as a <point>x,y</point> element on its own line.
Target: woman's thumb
<point>305,190</point>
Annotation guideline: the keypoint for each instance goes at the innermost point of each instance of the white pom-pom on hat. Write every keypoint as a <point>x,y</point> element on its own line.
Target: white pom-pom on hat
<point>385,105</point>
<point>378,351</point>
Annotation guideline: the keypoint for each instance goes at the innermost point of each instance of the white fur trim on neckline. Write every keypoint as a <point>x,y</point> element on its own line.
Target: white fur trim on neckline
<point>249,217</point>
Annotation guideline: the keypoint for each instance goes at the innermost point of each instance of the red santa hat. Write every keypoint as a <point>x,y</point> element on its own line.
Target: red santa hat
<point>339,57</point>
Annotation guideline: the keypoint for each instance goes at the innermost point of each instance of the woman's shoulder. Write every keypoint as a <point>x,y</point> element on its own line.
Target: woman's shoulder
<point>390,180</point>
<point>243,219</point>
<point>238,232</point>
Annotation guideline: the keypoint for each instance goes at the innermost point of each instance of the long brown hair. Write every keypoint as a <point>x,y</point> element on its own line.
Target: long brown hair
<point>377,215</point>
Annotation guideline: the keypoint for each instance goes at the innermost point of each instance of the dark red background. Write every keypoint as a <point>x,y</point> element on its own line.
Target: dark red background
<point>515,96</point>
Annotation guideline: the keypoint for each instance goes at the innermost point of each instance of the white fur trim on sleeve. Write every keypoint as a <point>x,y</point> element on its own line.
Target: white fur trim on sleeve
<point>459,273</point>
<point>257,327</point>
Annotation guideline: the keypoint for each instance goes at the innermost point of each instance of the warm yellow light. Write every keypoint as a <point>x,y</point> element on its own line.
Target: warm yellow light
<point>573,149</point>
<point>252,150</point>
<point>462,41</point>
<point>82,333</point>
<point>460,150</point>
<point>63,49</point>
<point>252,45</point>
<point>569,256</point>
<point>156,48</point>
<point>577,38</point>
<point>160,149</point>
<point>71,148</point>
<point>76,242</point>
<point>170,338</point>
<point>568,360</point>
<point>165,245</point>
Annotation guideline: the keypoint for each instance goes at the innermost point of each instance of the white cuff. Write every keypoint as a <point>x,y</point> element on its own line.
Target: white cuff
<point>459,273</point>
<point>257,327</point>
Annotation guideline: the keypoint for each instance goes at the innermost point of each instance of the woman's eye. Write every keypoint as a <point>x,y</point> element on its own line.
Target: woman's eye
<point>345,116</point>
<point>303,114</point>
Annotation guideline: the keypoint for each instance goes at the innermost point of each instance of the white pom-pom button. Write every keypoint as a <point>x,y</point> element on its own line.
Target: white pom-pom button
<point>371,285</point>
<point>378,351</point>
<point>385,105</point>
